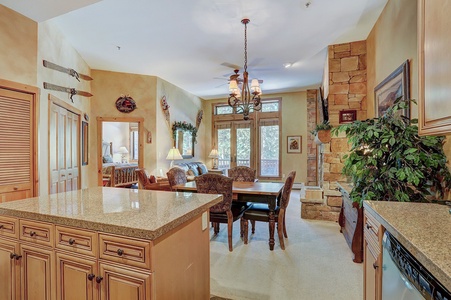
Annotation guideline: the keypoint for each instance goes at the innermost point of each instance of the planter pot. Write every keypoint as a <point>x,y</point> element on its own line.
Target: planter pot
<point>322,137</point>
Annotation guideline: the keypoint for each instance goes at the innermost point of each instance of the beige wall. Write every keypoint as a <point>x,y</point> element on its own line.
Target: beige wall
<point>18,44</point>
<point>294,122</point>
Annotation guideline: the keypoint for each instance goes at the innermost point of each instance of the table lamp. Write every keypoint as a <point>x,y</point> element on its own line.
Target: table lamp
<point>173,154</point>
<point>123,150</point>
<point>214,154</point>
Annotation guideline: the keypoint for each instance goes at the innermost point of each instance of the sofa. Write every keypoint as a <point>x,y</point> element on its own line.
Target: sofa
<point>192,169</point>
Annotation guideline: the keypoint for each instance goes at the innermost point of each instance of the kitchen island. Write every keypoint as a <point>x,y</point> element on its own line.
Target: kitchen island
<point>423,229</point>
<point>106,243</point>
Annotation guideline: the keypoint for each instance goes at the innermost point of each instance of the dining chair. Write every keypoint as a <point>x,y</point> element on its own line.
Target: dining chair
<point>222,212</point>
<point>149,182</point>
<point>260,211</point>
<point>176,176</point>
<point>242,173</point>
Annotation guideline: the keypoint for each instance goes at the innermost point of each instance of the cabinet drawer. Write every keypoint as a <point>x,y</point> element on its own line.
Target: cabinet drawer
<point>8,227</point>
<point>371,224</point>
<point>129,251</point>
<point>36,232</point>
<point>76,240</point>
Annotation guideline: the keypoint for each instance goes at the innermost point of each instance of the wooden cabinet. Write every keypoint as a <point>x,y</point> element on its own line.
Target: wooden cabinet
<point>434,107</point>
<point>372,268</point>
<point>351,223</point>
<point>9,271</point>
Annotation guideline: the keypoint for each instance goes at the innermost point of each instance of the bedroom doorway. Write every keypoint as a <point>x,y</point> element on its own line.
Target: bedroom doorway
<point>120,150</point>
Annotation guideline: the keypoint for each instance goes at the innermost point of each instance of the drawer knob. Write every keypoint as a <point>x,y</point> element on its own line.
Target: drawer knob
<point>375,266</point>
<point>1,226</point>
<point>368,226</point>
<point>12,255</point>
<point>99,279</point>
<point>71,241</point>
<point>120,252</point>
<point>32,233</point>
<point>91,277</point>
<point>18,257</point>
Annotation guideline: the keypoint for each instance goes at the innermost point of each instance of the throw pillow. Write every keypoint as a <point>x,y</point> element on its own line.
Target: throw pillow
<point>202,169</point>
<point>107,159</point>
<point>194,169</point>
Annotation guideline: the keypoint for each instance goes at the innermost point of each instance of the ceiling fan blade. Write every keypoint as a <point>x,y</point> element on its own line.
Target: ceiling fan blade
<point>229,65</point>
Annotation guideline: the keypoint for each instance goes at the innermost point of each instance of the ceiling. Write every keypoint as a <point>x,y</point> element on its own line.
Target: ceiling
<point>195,44</point>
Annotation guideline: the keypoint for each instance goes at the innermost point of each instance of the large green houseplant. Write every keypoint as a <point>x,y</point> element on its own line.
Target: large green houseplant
<point>389,161</point>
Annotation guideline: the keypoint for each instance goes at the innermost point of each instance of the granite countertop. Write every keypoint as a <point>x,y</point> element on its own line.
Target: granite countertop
<point>130,212</point>
<point>423,228</point>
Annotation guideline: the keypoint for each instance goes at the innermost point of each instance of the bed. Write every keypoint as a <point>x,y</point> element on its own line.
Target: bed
<point>117,174</point>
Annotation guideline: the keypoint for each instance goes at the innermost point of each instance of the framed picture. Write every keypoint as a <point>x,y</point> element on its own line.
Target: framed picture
<point>294,144</point>
<point>396,85</point>
<point>347,116</point>
<point>84,143</point>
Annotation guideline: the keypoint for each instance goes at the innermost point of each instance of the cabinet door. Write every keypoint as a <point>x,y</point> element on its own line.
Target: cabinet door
<point>369,274</point>
<point>36,273</point>
<point>119,283</point>
<point>9,272</point>
<point>75,278</point>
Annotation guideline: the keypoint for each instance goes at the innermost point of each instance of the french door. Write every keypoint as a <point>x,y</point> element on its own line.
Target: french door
<point>235,144</point>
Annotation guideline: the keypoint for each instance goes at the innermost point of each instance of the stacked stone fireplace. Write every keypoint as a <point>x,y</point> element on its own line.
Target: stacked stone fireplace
<point>347,91</point>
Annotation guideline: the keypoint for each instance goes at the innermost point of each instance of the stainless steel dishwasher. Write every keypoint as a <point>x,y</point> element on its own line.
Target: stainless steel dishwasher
<point>404,278</point>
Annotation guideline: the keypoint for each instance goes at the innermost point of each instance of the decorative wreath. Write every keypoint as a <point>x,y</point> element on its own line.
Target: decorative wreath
<point>186,127</point>
<point>125,104</point>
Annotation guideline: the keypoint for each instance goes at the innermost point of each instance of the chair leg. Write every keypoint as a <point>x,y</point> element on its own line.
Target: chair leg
<point>253,226</point>
<point>280,234</point>
<point>241,227</point>
<point>284,227</point>
<point>246,230</point>
<point>216,228</point>
<point>230,228</point>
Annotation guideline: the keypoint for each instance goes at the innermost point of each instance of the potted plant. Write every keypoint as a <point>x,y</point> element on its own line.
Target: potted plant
<point>390,161</point>
<point>322,133</point>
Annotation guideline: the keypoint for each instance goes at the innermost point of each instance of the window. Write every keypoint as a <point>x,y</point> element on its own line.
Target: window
<point>134,143</point>
<point>254,143</point>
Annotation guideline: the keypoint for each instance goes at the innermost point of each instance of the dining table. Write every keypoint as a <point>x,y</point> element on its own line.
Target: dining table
<point>254,192</point>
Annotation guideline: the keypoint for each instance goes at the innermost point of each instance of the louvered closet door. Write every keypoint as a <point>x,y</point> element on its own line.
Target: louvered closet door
<point>64,149</point>
<point>16,145</point>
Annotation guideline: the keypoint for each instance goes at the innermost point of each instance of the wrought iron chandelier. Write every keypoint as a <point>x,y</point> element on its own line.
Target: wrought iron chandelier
<point>246,99</point>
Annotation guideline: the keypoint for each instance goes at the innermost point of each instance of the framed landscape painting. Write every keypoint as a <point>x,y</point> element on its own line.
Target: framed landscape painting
<point>294,144</point>
<point>396,85</point>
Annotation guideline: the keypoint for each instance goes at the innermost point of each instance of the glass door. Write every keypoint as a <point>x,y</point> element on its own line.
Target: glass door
<point>234,140</point>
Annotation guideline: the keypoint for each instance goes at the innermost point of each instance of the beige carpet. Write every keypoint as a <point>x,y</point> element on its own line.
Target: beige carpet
<point>316,264</point>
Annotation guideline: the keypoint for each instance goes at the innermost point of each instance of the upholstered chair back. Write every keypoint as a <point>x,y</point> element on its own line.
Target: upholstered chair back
<point>242,173</point>
<point>216,184</point>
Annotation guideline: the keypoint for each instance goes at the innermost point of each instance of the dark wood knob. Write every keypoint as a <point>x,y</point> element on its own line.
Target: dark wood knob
<point>12,255</point>
<point>18,257</point>
<point>71,241</point>
<point>368,226</point>
<point>32,233</point>
<point>1,226</point>
<point>375,266</point>
<point>120,252</point>
<point>99,279</point>
<point>91,277</point>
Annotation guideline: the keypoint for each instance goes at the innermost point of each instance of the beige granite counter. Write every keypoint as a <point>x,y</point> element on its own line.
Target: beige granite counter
<point>130,212</point>
<point>424,229</point>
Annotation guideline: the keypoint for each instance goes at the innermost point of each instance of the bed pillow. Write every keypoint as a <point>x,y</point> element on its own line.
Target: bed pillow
<point>107,159</point>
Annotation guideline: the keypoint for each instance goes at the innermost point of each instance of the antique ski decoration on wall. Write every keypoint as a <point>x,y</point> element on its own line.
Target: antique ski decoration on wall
<point>71,91</point>
<point>69,71</point>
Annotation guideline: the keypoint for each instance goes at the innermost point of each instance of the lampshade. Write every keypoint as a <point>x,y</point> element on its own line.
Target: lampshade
<point>233,86</point>
<point>214,154</point>
<point>255,84</point>
<point>174,154</point>
<point>123,150</point>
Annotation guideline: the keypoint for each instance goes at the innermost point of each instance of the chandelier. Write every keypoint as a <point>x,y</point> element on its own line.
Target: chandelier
<point>246,99</point>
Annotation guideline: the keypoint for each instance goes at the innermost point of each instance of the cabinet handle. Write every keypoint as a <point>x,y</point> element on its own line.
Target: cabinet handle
<point>375,266</point>
<point>12,255</point>
<point>1,226</point>
<point>15,188</point>
<point>18,257</point>
<point>91,277</point>
<point>368,226</point>
<point>71,241</point>
<point>32,233</point>
<point>120,252</point>
<point>99,279</point>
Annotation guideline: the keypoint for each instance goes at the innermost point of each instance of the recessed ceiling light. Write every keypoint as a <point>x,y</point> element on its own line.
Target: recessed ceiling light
<point>287,65</point>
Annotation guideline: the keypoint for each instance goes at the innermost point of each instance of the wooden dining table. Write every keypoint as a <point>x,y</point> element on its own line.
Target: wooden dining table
<point>255,192</point>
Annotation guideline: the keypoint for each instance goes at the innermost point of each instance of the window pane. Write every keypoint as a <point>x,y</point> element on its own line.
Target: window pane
<point>269,150</point>
<point>134,145</point>
<point>224,148</point>
<point>224,110</point>
<point>243,147</point>
<point>270,106</point>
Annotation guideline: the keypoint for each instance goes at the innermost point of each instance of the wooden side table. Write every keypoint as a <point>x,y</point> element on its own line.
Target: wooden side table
<point>216,171</point>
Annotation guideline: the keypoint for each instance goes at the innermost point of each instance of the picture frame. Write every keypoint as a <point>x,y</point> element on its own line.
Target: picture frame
<point>396,85</point>
<point>347,116</point>
<point>294,144</point>
<point>84,143</point>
